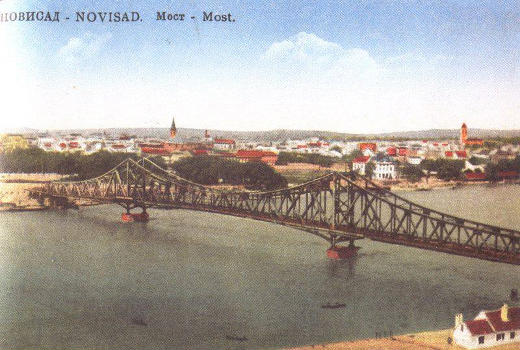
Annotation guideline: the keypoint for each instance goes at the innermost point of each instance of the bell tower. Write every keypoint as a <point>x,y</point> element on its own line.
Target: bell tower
<point>463,134</point>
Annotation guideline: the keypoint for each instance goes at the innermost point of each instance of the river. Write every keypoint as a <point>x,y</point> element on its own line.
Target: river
<point>185,280</point>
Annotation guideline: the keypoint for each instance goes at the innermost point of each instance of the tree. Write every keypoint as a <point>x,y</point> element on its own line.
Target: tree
<point>369,169</point>
<point>411,172</point>
<point>211,170</point>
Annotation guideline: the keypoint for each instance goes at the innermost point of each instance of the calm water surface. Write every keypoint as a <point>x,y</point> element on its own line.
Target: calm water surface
<point>80,279</point>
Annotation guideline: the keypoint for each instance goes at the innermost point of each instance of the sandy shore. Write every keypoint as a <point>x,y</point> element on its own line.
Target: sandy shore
<point>435,340</point>
<point>13,190</point>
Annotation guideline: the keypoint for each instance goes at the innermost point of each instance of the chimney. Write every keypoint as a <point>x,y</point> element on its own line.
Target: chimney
<point>504,313</point>
<point>459,319</point>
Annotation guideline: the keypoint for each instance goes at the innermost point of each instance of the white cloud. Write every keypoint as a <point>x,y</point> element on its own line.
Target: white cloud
<point>307,54</point>
<point>82,48</point>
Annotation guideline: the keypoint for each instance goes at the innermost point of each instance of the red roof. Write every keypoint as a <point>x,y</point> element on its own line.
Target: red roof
<point>199,152</point>
<point>500,326</point>
<point>301,146</point>
<point>118,146</point>
<point>225,141</point>
<point>362,159</point>
<point>315,144</point>
<point>511,173</point>
<point>479,327</point>
<point>391,151</point>
<point>475,176</point>
<point>448,154</point>
<point>403,151</point>
<point>461,154</point>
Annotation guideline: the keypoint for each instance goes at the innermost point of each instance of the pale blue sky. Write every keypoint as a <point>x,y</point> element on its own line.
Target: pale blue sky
<point>352,66</point>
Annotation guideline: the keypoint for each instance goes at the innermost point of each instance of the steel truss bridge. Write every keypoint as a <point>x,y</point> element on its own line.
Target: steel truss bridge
<point>338,207</point>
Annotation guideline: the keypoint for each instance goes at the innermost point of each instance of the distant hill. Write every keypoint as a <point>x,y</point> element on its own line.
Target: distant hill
<point>186,134</point>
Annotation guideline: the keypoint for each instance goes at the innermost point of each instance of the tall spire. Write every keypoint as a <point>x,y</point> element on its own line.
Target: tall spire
<point>173,129</point>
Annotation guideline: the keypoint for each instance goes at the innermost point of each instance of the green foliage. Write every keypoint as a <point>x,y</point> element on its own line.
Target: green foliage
<point>313,158</point>
<point>369,169</point>
<point>412,173</point>
<point>35,160</point>
<point>352,155</point>
<point>446,169</point>
<point>477,161</point>
<point>492,169</point>
<point>210,170</point>
<point>336,148</point>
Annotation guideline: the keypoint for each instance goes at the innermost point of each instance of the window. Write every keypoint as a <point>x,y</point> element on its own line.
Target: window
<point>512,335</point>
<point>500,336</point>
<point>481,339</point>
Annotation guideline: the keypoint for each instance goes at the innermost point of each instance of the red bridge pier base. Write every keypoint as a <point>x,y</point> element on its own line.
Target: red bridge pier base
<point>342,252</point>
<point>137,217</point>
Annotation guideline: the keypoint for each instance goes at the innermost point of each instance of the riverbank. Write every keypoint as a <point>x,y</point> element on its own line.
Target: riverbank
<point>434,340</point>
<point>13,191</point>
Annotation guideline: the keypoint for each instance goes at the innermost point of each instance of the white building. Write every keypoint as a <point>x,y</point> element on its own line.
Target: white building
<point>224,144</point>
<point>414,160</point>
<point>489,328</point>
<point>359,164</point>
<point>385,169</point>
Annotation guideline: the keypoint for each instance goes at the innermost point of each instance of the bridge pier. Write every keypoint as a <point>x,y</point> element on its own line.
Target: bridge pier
<point>138,217</point>
<point>342,252</point>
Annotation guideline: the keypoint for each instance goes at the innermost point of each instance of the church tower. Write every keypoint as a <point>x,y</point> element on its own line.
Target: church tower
<point>463,134</point>
<point>173,129</point>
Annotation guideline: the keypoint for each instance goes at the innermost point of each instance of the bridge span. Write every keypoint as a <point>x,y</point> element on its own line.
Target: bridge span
<point>337,207</point>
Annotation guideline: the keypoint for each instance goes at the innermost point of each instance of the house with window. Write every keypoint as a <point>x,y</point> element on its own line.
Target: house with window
<point>489,328</point>
<point>224,144</point>
<point>359,164</point>
<point>385,169</point>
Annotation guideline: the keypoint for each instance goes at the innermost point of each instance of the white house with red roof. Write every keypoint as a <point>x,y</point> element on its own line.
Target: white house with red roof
<point>224,144</point>
<point>489,328</point>
<point>359,164</point>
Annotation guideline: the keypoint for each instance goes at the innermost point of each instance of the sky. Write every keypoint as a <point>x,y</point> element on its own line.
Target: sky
<point>346,66</point>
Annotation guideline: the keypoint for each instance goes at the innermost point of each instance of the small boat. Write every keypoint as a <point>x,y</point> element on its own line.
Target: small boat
<point>139,321</point>
<point>333,306</point>
<point>424,189</point>
<point>235,338</point>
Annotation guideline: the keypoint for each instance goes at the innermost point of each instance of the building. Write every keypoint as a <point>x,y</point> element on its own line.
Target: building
<point>464,137</point>
<point>489,328</point>
<point>224,144</point>
<point>385,169</point>
<point>359,164</point>
<point>267,157</point>
<point>368,145</point>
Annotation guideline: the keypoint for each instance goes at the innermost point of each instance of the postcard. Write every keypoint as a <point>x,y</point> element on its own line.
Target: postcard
<point>259,174</point>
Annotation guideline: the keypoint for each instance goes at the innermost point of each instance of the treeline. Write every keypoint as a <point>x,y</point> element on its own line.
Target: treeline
<point>446,169</point>
<point>82,166</point>
<point>212,170</point>
<point>285,158</point>
<point>493,170</point>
